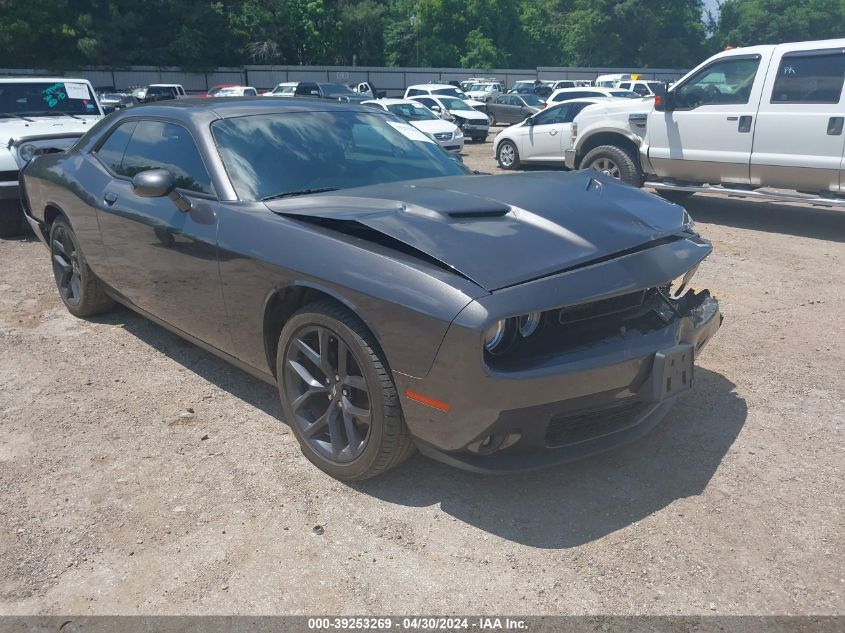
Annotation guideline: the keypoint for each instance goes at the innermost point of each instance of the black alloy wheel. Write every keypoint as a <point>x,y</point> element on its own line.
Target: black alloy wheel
<point>328,394</point>
<point>338,394</point>
<point>82,293</point>
<point>66,265</point>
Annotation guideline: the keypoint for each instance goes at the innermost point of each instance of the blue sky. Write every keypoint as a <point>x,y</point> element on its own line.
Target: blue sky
<point>713,5</point>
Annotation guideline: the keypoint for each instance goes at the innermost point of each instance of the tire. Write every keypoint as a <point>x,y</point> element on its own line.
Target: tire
<point>80,290</point>
<point>492,118</point>
<point>11,219</point>
<point>510,160</point>
<point>348,420</point>
<point>614,161</point>
<point>678,197</point>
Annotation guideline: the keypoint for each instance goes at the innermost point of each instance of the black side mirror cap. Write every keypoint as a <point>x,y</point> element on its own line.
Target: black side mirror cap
<point>153,183</point>
<point>666,102</point>
<point>157,183</point>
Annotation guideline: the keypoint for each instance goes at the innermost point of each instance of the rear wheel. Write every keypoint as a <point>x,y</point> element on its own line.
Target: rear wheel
<point>11,218</point>
<point>507,155</point>
<point>337,394</point>
<point>615,162</point>
<point>80,290</point>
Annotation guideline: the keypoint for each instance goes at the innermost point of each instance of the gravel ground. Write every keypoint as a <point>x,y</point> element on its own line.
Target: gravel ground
<point>138,474</point>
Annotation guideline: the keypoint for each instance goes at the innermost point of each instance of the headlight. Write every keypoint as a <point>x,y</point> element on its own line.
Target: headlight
<point>528,323</point>
<point>27,152</point>
<point>459,133</point>
<point>498,336</point>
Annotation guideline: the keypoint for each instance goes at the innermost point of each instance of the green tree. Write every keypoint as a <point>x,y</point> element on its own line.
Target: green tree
<point>749,22</point>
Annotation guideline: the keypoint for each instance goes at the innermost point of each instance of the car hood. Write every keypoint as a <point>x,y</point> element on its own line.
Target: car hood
<point>12,129</point>
<point>470,115</point>
<point>500,230</point>
<point>434,126</point>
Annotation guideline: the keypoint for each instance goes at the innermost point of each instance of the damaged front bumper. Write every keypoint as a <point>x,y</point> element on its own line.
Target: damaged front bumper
<point>609,386</point>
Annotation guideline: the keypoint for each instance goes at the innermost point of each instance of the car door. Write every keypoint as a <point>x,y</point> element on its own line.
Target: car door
<point>543,141</point>
<point>798,140</point>
<point>162,259</point>
<point>707,137</point>
<point>499,108</point>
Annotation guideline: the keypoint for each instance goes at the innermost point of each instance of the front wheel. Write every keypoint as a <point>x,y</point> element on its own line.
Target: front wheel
<point>81,292</point>
<point>11,219</point>
<point>492,118</point>
<point>337,394</point>
<point>615,162</point>
<point>507,155</point>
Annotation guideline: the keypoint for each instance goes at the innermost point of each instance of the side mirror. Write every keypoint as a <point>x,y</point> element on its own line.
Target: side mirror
<point>153,183</point>
<point>529,121</point>
<point>108,109</point>
<point>436,109</point>
<point>665,103</point>
<point>157,183</point>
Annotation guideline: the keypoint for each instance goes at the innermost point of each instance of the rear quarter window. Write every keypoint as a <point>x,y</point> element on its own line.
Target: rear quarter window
<point>810,77</point>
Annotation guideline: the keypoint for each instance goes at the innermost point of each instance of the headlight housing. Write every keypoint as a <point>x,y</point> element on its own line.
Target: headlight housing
<point>497,336</point>
<point>459,133</point>
<point>27,152</point>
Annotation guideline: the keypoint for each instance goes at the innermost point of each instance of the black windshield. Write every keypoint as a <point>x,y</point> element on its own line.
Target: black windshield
<point>37,98</point>
<point>267,155</point>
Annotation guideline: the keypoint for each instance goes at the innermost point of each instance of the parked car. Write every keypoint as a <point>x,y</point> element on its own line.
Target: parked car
<point>139,93</point>
<point>111,101</point>
<point>484,91</point>
<point>367,89</point>
<point>164,92</point>
<point>534,87</point>
<point>443,90</point>
<point>237,91</point>
<point>496,322</point>
<point>472,123</point>
<point>513,108</point>
<point>542,137</point>
<point>38,116</point>
<point>284,89</point>
<point>762,122</point>
<point>609,81</point>
<point>643,87</point>
<point>567,94</point>
<point>445,133</point>
<point>330,91</point>
<point>214,90</point>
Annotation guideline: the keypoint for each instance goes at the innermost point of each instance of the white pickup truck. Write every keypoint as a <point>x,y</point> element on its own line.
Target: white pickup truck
<point>746,122</point>
<point>38,115</point>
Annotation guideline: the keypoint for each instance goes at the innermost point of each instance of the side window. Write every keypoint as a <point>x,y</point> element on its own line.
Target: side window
<point>250,92</point>
<point>429,103</point>
<point>160,145</point>
<point>641,89</point>
<point>626,85</point>
<point>810,77</point>
<point>728,81</point>
<point>552,115</point>
<point>502,100</point>
<point>112,150</point>
<point>574,110</point>
<point>413,92</point>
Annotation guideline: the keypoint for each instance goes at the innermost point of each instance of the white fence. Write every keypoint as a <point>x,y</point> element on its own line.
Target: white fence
<point>392,80</point>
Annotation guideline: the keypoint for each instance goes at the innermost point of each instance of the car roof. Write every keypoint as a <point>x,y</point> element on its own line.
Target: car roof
<point>40,80</point>
<point>225,107</point>
<point>433,86</point>
<point>393,101</point>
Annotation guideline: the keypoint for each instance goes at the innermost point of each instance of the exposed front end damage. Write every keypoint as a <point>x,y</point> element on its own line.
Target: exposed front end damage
<point>616,349</point>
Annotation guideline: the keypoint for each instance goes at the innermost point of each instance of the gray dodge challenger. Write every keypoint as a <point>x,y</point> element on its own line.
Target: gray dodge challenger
<point>398,300</point>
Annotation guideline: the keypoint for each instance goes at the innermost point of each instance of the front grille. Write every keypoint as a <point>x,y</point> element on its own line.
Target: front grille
<point>6,176</point>
<point>571,428</point>
<point>603,307</point>
<point>443,136</point>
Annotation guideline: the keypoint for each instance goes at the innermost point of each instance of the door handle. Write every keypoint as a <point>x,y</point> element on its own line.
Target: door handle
<point>744,124</point>
<point>110,197</point>
<point>552,131</point>
<point>834,125</point>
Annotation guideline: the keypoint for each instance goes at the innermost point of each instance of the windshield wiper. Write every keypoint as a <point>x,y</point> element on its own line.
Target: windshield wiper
<point>301,192</point>
<point>12,114</point>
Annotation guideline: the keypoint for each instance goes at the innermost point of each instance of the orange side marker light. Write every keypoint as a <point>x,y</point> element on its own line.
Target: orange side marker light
<point>431,402</point>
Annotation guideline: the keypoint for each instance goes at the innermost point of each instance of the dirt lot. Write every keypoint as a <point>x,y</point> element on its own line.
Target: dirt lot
<point>115,498</point>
